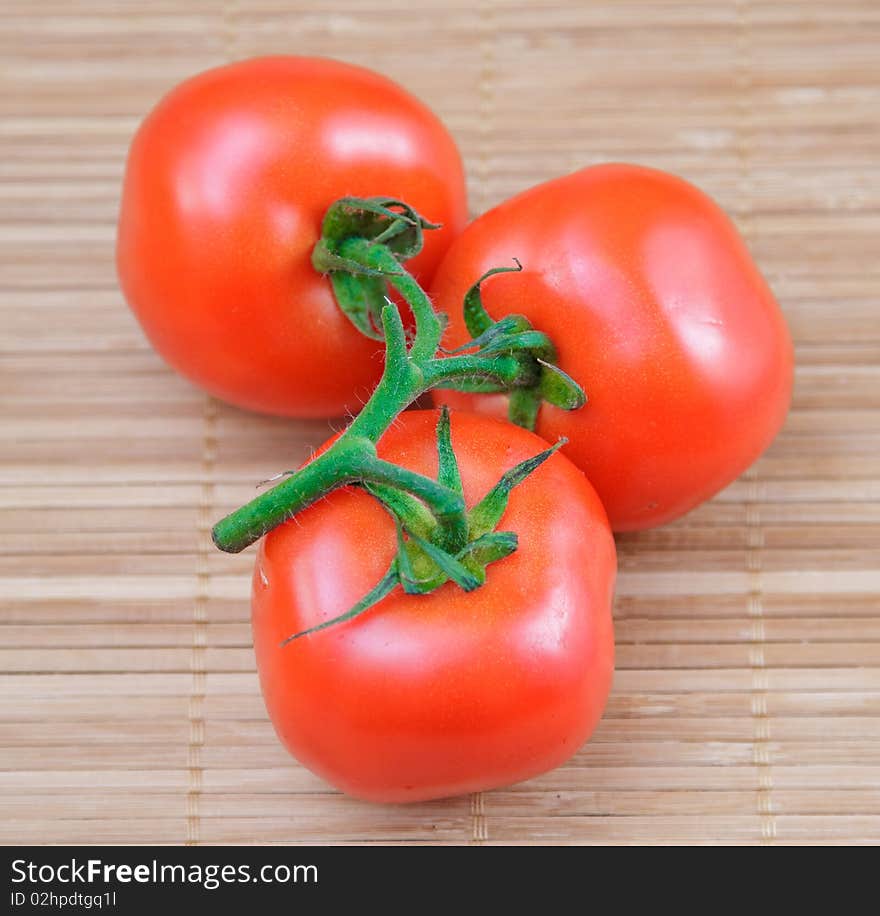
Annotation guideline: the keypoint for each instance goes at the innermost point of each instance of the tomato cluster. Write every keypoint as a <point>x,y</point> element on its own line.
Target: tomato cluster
<point>484,654</point>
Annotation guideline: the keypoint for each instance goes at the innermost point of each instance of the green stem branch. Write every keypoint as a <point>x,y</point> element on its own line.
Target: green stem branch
<point>365,241</point>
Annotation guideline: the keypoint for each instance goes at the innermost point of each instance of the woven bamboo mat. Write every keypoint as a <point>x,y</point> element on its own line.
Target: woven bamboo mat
<point>746,706</point>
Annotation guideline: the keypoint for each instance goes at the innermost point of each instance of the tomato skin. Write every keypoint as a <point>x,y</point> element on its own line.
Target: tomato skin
<point>226,184</point>
<point>657,309</point>
<point>437,695</point>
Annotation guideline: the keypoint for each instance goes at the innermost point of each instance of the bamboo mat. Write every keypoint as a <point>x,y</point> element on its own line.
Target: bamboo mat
<point>746,705</point>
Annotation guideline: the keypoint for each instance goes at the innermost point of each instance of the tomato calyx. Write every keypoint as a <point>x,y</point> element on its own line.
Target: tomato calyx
<point>427,557</point>
<point>539,378</point>
<point>359,287</point>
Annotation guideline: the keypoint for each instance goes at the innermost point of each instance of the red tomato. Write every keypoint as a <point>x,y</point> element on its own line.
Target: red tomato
<point>657,309</point>
<point>452,692</point>
<point>226,185</point>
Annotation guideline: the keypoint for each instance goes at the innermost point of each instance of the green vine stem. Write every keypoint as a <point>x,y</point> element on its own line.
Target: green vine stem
<point>362,247</point>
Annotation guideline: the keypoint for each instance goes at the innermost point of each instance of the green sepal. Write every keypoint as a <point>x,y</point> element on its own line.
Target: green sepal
<point>509,324</point>
<point>487,549</point>
<point>559,388</point>
<point>381,590</point>
<point>412,513</point>
<point>496,545</point>
<point>449,565</point>
<point>361,299</point>
<point>483,517</point>
<point>523,405</point>
<point>476,318</point>
<point>448,473</point>
<point>535,343</point>
<point>410,582</point>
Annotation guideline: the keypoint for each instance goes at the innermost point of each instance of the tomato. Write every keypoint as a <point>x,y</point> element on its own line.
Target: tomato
<point>225,188</point>
<point>657,310</point>
<point>451,692</point>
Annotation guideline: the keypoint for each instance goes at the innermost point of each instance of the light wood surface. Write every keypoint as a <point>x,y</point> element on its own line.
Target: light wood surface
<point>746,706</point>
